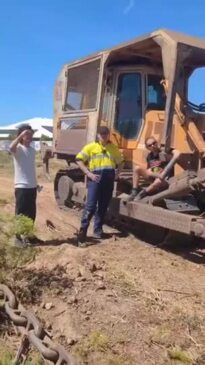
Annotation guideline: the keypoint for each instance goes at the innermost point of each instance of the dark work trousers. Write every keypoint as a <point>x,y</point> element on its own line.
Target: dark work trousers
<point>26,202</point>
<point>98,198</point>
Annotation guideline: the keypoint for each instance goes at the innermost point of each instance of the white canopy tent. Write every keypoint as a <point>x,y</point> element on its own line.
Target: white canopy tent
<point>43,127</point>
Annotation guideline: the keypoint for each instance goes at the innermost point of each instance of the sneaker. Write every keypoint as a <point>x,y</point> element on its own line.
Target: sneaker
<point>133,194</point>
<point>82,244</point>
<point>26,241</point>
<point>20,242</point>
<point>142,194</point>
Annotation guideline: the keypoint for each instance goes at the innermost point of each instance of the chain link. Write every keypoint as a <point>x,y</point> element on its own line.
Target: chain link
<point>32,331</point>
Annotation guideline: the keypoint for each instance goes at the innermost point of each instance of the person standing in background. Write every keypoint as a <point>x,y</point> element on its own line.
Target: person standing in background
<point>25,181</point>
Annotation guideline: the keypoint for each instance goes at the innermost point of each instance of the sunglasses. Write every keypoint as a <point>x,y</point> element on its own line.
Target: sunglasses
<point>152,144</point>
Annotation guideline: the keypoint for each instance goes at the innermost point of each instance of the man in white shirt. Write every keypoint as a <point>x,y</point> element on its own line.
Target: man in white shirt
<point>24,177</point>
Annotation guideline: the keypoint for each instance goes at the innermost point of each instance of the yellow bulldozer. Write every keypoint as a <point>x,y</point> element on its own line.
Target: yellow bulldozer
<point>138,89</point>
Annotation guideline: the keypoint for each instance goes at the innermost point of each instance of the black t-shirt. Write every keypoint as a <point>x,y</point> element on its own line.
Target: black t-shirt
<point>156,164</point>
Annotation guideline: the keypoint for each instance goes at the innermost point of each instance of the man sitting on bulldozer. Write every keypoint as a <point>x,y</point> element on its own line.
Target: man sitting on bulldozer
<point>158,170</point>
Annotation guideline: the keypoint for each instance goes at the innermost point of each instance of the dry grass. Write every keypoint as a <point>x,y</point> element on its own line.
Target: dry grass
<point>7,356</point>
<point>124,280</point>
<point>6,161</point>
<point>11,257</point>
<point>177,354</point>
<point>160,327</point>
<point>99,347</point>
<point>96,341</point>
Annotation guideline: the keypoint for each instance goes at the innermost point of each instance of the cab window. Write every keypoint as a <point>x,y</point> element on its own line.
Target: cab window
<point>156,97</point>
<point>82,86</point>
<point>128,110</point>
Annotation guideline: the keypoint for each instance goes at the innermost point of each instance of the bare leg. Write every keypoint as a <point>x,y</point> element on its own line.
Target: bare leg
<point>139,171</point>
<point>152,188</point>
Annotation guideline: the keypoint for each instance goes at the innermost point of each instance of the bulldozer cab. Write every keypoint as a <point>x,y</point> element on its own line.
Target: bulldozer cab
<point>135,93</point>
<point>137,89</point>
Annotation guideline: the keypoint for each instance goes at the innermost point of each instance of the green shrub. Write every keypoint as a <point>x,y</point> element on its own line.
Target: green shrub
<point>177,354</point>
<point>11,257</point>
<point>24,226</point>
<point>6,358</point>
<point>10,226</point>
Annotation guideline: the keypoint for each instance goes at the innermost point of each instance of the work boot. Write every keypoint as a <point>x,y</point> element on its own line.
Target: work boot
<point>142,194</point>
<point>82,238</point>
<point>133,194</point>
<point>98,234</point>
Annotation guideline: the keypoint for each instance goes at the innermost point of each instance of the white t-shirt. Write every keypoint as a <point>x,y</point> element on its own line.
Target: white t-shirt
<point>24,167</point>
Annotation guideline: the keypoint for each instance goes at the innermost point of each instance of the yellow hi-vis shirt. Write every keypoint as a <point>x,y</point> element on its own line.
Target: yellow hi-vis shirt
<point>99,157</point>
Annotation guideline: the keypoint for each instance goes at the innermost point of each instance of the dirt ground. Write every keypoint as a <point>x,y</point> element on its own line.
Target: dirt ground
<point>120,301</point>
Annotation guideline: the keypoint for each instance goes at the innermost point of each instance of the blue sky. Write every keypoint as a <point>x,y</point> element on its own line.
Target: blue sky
<point>38,36</point>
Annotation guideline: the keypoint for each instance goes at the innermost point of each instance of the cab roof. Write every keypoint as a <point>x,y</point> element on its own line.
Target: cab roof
<point>157,45</point>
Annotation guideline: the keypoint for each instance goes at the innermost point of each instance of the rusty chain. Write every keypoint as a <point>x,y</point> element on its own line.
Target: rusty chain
<point>32,332</point>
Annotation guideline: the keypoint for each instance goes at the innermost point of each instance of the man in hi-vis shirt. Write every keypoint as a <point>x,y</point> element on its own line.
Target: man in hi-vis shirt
<point>101,161</point>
